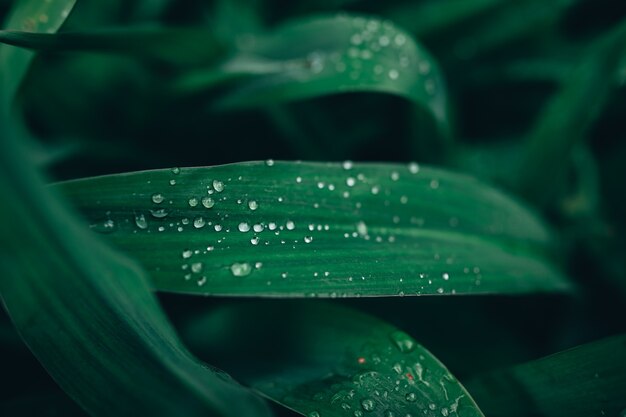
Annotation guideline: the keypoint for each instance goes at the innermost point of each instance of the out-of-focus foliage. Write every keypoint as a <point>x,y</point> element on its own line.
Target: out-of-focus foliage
<point>528,95</point>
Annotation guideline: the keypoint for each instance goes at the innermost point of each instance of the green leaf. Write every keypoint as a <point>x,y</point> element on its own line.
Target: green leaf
<point>86,312</point>
<point>295,229</point>
<point>179,46</point>
<point>33,16</point>
<point>589,380</point>
<point>321,359</point>
<point>317,56</point>
<point>569,115</point>
<point>89,316</point>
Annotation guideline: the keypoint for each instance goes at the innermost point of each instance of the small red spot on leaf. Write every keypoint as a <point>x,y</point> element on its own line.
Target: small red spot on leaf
<point>410,376</point>
<point>361,360</point>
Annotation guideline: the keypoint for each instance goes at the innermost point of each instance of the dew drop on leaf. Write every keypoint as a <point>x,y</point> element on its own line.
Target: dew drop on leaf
<point>218,186</point>
<point>241,269</point>
<point>157,198</point>
<point>208,202</point>
<point>368,404</point>
<point>403,341</point>
<point>141,222</point>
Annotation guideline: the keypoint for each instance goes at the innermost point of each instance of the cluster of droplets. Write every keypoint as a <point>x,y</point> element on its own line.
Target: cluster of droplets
<point>218,207</point>
<point>392,381</point>
<point>375,50</point>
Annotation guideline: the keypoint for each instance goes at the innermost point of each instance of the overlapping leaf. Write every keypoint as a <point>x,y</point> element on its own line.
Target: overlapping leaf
<point>296,229</point>
<point>324,360</point>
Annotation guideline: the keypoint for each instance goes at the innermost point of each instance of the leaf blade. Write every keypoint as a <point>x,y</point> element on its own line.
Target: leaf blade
<point>295,229</point>
<point>322,359</point>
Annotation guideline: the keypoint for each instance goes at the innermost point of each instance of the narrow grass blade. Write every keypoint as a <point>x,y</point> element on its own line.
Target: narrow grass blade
<point>589,380</point>
<point>569,115</point>
<point>177,46</point>
<point>321,359</point>
<point>296,229</point>
<point>322,55</point>
<point>33,16</point>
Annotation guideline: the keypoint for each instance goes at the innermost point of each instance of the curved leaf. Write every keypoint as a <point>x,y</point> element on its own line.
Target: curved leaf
<point>588,380</point>
<point>89,316</point>
<point>295,229</point>
<point>323,360</point>
<point>87,313</point>
<point>324,55</point>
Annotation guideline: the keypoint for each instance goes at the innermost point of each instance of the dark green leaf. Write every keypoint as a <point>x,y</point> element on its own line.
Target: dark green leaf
<point>294,229</point>
<point>569,115</point>
<point>326,55</point>
<point>86,312</point>
<point>89,316</point>
<point>589,380</point>
<point>180,46</point>
<point>324,360</point>
<point>33,16</point>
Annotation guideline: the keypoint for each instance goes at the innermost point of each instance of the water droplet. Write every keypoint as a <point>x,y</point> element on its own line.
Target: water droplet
<point>175,170</point>
<point>434,184</point>
<point>375,189</point>
<point>218,227</point>
<point>157,198</point>
<point>444,412</point>
<point>255,240</point>
<point>383,40</point>
<point>269,162</point>
<point>193,202</point>
<point>395,176</point>
<point>350,182</point>
<point>271,226</point>
<point>243,227</point>
<point>218,186</point>
<point>290,225</point>
<point>411,397</point>
<point>196,267</point>
<point>141,222</point>
<point>316,62</point>
<point>159,214</point>
<point>432,406</point>
<point>199,222</point>
<point>201,281</point>
<point>298,180</point>
<point>403,341</point>
<point>358,413</point>
<point>187,254</point>
<point>314,414</point>
<point>368,404</point>
<point>208,202</point>
<point>253,205</point>
<point>308,239</point>
<point>400,39</point>
<point>106,226</point>
<point>241,269</point>
<point>361,228</point>
<point>414,168</point>
<point>445,276</point>
<point>393,74</point>
<point>347,165</point>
